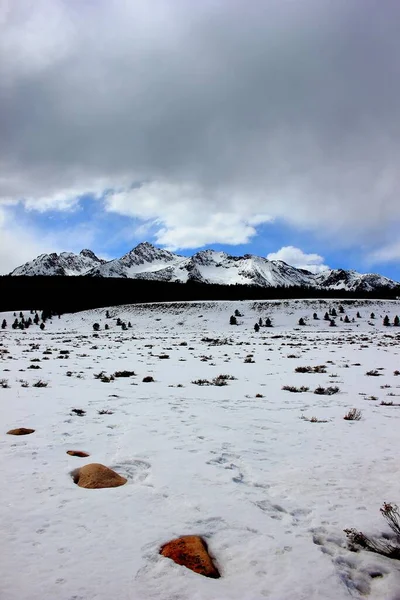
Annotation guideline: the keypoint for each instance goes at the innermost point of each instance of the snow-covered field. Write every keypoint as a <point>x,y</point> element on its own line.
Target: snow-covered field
<point>269,490</point>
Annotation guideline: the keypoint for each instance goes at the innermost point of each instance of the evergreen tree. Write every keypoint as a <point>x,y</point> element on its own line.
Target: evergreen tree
<point>386,321</point>
<point>256,327</point>
<point>233,320</point>
<point>238,313</point>
<point>396,321</point>
<point>106,326</point>
<point>96,326</point>
<point>326,317</point>
<point>332,323</point>
<point>21,315</point>
<point>346,319</point>
<point>372,316</point>
<point>315,317</point>
<point>4,324</point>
<point>36,319</point>
<point>301,321</point>
<point>123,326</point>
<point>341,309</point>
<point>358,315</point>
<point>333,312</point>
<point>260,322</point>
<point>42,326</point>
<point>119,322</point>
<point>268,322</point>
<point>129,324</point>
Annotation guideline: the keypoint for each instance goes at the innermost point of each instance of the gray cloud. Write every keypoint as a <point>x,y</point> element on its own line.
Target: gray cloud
<point>289,109</point>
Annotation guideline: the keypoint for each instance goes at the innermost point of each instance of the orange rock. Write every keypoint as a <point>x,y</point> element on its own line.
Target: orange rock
<point>78,453</point>
<point>20,431</point>
<point>95,476</point>
<point>191,552</point>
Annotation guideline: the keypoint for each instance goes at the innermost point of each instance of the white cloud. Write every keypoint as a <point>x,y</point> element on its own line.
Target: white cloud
<point>388,253</point>
<point>297,258</point>
<point>181,216</point>
<point>247,109</point>
<point>20,241</point>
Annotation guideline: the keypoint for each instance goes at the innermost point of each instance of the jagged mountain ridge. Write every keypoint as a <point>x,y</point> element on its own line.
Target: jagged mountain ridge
<point>145,261</point>
<point>65,263</point>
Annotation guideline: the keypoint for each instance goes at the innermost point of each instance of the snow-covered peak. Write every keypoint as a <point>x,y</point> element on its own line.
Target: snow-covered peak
<point>146,261</point>
<point>65,263</point>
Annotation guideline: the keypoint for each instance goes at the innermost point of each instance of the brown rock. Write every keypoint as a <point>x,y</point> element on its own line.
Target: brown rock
<point>191,552</point>
<point>95,476</point>
<point>20,431</point>
<point>78,453</point>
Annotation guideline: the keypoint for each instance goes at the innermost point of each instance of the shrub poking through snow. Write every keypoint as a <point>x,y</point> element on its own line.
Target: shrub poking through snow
<point>124,374</point>
<point>249,359</point>
<point>226,377</point>
<point>4,383</point>
<point>219,381</point>
<point>292,388</point>
<point>354,414</point>
<point>385,545</point>
<point>40,384</point>
<point>316,369</point>
<point>148,379</point>
<point>373,373</point>
<point>201,382</point>
<point>79,412</point>
<point>313,419</point>
<point>329,391</point>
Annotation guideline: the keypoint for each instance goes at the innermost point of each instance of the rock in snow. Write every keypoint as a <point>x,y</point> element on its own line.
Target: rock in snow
<point>20,431</point>
<point>96,476</point>
<point>191,552</point>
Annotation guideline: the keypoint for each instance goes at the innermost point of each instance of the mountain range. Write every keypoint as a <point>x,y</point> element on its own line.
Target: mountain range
<point>146,261</point>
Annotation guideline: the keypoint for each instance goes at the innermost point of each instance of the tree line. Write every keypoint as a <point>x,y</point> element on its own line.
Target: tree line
<point>71,294</point>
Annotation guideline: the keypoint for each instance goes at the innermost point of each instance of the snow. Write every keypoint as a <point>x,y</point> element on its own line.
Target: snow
<point>145,261</point>
<point>270,492</point>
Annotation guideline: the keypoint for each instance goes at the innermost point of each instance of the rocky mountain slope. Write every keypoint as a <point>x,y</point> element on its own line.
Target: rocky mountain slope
<point>145,261</point>
<point>65,263</point>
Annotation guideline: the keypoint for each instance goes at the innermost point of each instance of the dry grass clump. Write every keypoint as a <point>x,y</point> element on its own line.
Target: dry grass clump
<point>40,384</point>
<point>79,412</point>
<point>309,369</point>
<point>293,388</point>
<point>354,414</point>
<point>124,374</point>
<point>373,373</point>
<point>219,381</point>
<point>385,545</point>
<point>4,384</point>
<point>313,419</point>
<point>329,391</point>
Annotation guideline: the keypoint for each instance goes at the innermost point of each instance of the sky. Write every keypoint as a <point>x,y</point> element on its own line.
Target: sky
<point>268,127</point>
